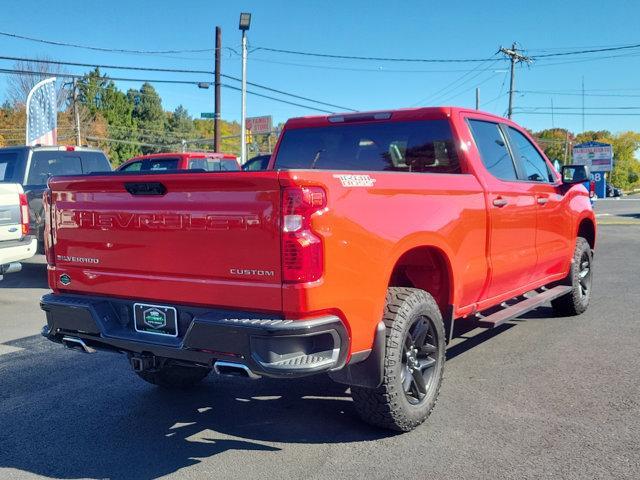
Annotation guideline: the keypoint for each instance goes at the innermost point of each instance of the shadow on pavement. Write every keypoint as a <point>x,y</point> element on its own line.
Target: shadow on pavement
<point>69,415</point>
<point>33,275</point>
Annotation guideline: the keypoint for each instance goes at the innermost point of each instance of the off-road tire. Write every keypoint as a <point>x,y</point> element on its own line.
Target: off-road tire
<point>388,405</point>
<point>174,376</point>
<point>576,301</point>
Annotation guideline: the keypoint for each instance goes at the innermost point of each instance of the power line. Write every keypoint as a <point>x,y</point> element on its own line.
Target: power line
<point>514,56</point>
<point>355,69</point>
<point>102,49</point>
<point>171,70</point>
<point>582,52</point>
<point>586,108</point>
<point>589,114</point>
<point>378,59</point>
<point>276,99</point>
<point>63,75</point>
<point>451,86</point>
<point>576,94</point>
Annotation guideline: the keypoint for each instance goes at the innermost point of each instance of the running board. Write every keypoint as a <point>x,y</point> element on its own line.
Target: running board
<point>523,306</point>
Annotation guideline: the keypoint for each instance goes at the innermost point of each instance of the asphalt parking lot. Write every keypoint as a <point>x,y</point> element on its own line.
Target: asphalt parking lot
<point>541,397</point>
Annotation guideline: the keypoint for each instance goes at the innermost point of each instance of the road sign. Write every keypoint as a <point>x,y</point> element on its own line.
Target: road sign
<point>601,184</point>
<point>598,156</point>
<point>259,125</point>
<point>207,115</point>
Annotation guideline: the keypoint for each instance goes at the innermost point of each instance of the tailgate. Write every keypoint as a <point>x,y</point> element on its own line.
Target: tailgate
<point>210,239</point>
<point>10,221</point>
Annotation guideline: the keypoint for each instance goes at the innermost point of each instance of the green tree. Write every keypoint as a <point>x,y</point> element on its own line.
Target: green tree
<point>148,115</point>
<point>181,124</point>
<point>103,102</point>
<point>626,169</point>
<point>556,143</point>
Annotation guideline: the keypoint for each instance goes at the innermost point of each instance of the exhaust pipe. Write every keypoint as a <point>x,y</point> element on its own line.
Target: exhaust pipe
<point>234,370</point>
<point>75,343</point>
<point>14,267</point>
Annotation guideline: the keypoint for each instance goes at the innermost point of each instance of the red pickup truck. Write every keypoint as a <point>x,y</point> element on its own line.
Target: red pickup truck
<point>368,238</point>
<point>159,162</point>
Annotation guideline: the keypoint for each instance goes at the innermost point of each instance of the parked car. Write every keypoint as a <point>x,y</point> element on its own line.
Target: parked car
<point>33,166</point>
<point>158,162</point>
<point>15,242</point>
<point>370,237</point>
<point>613,191</point>
<point>261,162</point>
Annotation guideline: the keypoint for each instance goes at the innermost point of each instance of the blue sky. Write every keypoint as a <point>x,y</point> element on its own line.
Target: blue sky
<point>418,29</point>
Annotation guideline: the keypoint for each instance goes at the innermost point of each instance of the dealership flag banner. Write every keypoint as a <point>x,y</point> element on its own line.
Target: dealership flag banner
<point>42,114</point>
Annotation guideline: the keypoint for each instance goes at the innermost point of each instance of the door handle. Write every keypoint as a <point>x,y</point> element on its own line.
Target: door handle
<point>542,200</point>
<point>499,202</point>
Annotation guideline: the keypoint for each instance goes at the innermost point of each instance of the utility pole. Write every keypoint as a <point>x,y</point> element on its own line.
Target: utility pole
<point>245,23</point>
<point>76,113</point>
<point>515,57</point>
<point>553,123</point>
<point>477,98</point>
<point>216,115</point>
<point>583,103</point>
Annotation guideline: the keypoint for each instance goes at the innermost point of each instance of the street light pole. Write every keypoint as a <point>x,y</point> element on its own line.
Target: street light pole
<point>243,116</point>
<point>245,22</point>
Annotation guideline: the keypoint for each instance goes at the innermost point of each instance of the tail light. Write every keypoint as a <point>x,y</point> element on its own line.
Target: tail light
<point>302,249</point>
<point>592,188</point>
<point>48,227</point>
<point>24,214</point>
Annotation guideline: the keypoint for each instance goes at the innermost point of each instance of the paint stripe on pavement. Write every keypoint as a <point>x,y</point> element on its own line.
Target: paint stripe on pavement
<point>4,349</point>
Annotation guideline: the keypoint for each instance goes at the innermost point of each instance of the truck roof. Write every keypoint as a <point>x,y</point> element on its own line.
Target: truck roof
<point>59,148</point>
<point>184,154</point>
<point>402,114</point>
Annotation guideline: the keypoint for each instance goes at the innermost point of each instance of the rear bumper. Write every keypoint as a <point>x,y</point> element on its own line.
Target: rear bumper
<point>17,250</point>
<point>266,344</point>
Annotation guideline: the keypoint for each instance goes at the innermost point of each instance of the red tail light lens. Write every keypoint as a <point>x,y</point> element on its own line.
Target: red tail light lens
<point>48,227</point>
<point>302,249</point>
<point>24,214</point>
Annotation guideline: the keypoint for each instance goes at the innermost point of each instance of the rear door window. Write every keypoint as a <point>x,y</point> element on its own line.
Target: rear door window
<point>534,166</point>
<point>133,167</point>
<point>419,146</point>
<point>493,149</point>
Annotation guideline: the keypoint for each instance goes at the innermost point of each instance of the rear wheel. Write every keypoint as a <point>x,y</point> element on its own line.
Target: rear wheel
<point>580,278</point>
<point>414,363</point>
<point>174,376</point>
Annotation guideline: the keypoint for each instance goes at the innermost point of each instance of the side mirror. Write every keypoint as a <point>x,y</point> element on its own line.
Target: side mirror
<point>572,174</point>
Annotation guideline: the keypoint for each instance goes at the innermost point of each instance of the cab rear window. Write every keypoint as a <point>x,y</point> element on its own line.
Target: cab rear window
<point>48,163</point>
<point>420,146</point>
<point>213,164</point>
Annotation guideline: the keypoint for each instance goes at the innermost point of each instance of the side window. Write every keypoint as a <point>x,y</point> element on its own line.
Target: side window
<point>535,168</point>
<point>94,162</point>
<point>493,149</point>
<point>133,167</point>
<point>168,164</point>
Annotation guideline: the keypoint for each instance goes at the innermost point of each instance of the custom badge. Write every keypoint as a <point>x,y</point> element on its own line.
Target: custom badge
<point>355,180</point>
<point>154,318</point>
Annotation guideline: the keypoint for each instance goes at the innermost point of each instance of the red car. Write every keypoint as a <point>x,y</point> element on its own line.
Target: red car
<point>368,238</point>
<point>157,162</point>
